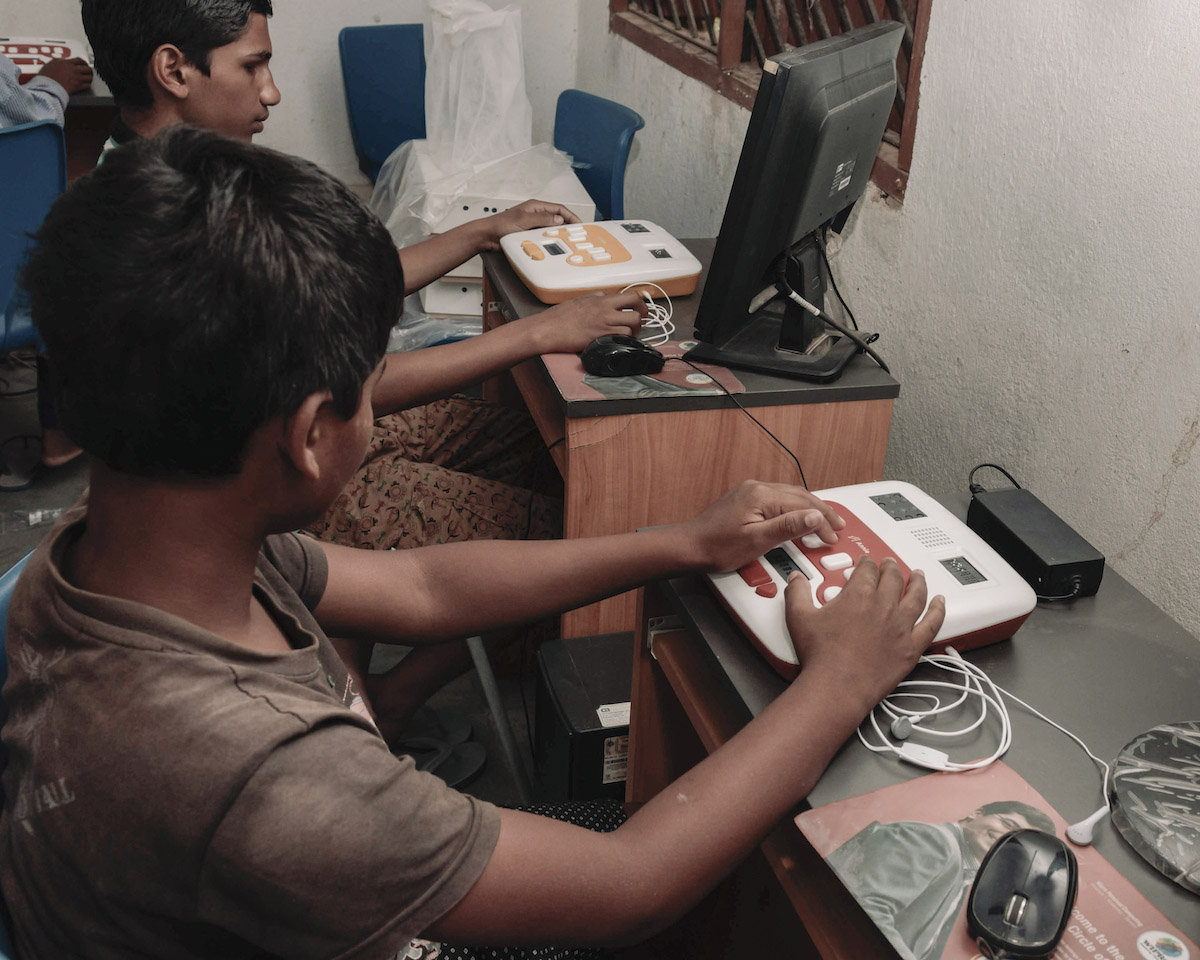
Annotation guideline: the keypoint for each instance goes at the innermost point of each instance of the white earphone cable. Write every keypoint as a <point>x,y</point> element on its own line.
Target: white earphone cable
<point>658,319</point>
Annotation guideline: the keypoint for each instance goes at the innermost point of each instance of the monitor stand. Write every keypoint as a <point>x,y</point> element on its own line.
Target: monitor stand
<point>755,346</point>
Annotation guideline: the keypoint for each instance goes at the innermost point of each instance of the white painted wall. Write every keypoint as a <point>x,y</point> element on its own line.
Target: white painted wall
<point>310,121</point>
<point>1037,292</point>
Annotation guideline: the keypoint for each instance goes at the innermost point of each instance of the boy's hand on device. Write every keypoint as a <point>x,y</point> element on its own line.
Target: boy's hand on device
<point>571,326</point>
<point>868,637</point>
<point>73,75</point>
<point>752,518</point>
<point>525,216</point>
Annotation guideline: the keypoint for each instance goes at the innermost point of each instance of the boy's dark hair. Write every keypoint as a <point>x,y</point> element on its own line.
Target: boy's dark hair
<point>192,287</point>
<point>123,34</point>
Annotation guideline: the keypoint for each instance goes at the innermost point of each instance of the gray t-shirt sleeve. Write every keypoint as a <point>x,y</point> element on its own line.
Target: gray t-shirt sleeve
<point>335,848</point>
<point>302,563</point>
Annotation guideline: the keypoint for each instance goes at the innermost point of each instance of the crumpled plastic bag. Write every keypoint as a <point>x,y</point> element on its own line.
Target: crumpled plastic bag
<point>477,117</point>
<point>476,108</point>
<point>414,193</point>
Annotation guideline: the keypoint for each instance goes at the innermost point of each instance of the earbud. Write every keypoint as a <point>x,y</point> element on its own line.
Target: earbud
<point>1081,833</point>
<point>901,728</point>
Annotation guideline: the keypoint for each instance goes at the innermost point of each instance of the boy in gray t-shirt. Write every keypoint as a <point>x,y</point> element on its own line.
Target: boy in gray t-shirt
<point>191,773</point>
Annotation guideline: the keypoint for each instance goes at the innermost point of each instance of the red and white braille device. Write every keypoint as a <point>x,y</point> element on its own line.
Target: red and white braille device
<point>986,600</point>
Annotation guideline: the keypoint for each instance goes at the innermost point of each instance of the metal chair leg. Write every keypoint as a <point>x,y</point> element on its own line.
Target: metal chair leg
<point>491,692</point>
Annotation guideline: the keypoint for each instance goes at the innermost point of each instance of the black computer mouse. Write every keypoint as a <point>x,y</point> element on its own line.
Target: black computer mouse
<point>614,355</point>
<point>1022,896</point>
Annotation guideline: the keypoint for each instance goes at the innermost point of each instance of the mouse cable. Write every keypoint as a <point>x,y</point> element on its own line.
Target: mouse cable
<point>832,281</point>
<point>863,344</point>
<point>762,426</point>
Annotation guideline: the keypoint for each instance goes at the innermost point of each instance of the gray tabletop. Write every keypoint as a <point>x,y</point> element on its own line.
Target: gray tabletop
<point>1106,667</point>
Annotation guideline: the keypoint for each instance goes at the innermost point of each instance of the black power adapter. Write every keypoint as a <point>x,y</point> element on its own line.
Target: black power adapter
<point>1052,558</point>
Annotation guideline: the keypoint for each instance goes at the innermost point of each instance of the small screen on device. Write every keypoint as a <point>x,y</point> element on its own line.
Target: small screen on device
<point>554,250</point>
<point>897,506</point>
<point>961,569</point>
<point>779,559</point>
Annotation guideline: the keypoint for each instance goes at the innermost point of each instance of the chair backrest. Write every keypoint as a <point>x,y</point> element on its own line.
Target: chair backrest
<point>597,133</point>
<point>7,581</point>
<point>33,172</point>
<point>383,68</point>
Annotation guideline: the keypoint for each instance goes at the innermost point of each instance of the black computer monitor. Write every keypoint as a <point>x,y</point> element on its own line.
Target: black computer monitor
<point>817,122</point>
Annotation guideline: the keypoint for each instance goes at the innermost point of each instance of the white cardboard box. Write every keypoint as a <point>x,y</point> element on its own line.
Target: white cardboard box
<point>454,201</point>
<point>464,200</point>
<point>453,296</point>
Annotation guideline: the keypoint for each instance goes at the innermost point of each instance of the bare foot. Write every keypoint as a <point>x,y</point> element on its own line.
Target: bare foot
<point>58,448</point>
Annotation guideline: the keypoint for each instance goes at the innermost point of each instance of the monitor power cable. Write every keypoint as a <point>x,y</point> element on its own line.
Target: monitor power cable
<point>863,344</point>
<point>821,243</point>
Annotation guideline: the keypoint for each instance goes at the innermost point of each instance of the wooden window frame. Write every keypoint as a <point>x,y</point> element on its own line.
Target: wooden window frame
<point>726,68</point>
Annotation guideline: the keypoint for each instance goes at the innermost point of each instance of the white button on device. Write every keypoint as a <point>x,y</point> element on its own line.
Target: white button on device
<point>831,592</point>
<point>601,256</point>
<point>583,245</point>
<point>575,258</point>
<point>848,572</point>
<point>813,541</point>
<point>837,561</point>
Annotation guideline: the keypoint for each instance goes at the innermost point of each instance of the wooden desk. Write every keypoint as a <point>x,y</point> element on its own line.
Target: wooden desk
<point>634,463</point>
<point>1107,668</point>
<point>88,118</point>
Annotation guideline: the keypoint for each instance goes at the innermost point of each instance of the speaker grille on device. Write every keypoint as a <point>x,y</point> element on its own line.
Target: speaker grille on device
<point>932,537</point>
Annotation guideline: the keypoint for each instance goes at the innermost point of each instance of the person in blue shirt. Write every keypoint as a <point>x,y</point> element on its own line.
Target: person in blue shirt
<point>44,96</point>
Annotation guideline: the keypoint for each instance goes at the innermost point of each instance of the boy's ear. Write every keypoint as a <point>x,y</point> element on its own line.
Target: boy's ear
<point>169,71</point>
<point>304,434</point>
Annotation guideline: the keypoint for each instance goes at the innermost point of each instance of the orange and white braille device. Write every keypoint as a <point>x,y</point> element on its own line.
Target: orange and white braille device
<point>561,263</point>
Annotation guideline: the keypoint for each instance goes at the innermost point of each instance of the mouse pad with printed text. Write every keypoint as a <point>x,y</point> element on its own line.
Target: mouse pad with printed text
<point>909,852</point>
<point>677,379</point>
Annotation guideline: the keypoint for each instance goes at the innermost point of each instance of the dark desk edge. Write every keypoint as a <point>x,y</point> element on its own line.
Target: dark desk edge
<point>90,100</point>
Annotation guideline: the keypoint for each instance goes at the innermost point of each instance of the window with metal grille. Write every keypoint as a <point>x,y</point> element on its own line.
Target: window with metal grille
<point>724,43</point>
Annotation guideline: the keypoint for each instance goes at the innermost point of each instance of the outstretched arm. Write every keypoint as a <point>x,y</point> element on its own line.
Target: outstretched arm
<point>424,262</point>
<point>418,377</point>
<point>553,882</point>
<point>422,375</point>
<point>459,589</point>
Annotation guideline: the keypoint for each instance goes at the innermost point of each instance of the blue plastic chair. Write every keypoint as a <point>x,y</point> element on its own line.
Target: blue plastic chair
<point>383,69</point>
<point>597,133</point>
<point>7,581</point>
<point>33,172</point>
